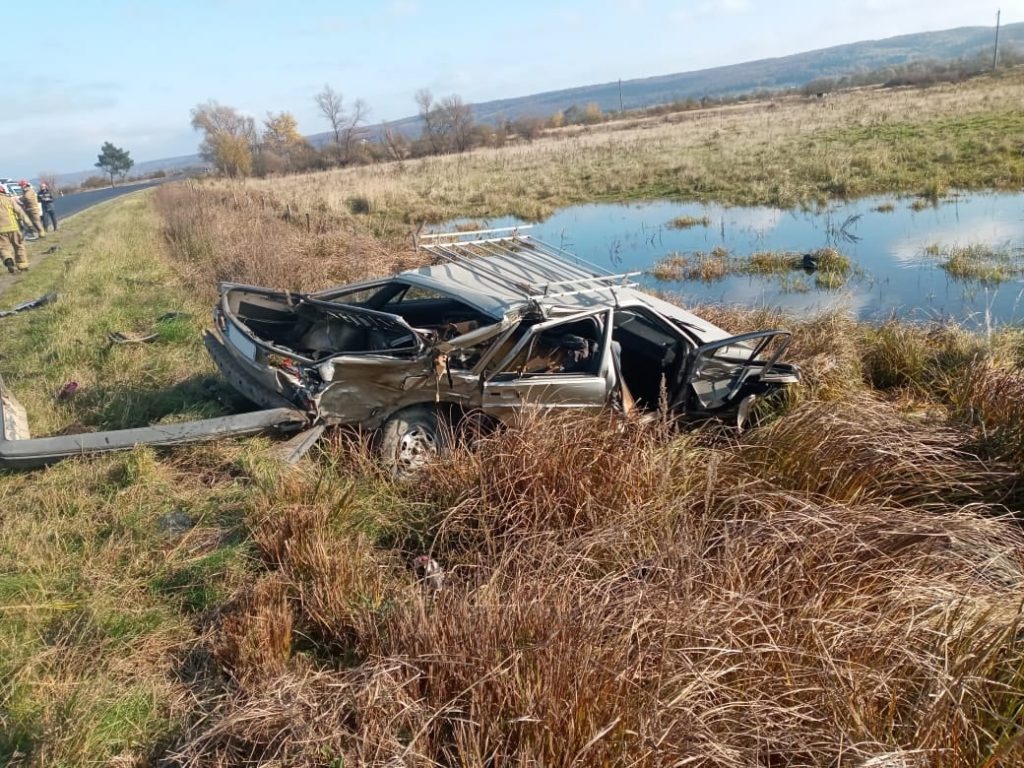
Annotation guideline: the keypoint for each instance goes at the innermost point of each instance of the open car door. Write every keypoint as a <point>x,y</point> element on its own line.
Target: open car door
<point>720,375</point>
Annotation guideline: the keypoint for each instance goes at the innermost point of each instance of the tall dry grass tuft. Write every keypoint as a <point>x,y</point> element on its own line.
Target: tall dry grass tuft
<point>254,641</point>
<point>991,397</point>
<point>235,234</point>
<point>917,358</point>
<point>552,474</point>
<point>864,449</point>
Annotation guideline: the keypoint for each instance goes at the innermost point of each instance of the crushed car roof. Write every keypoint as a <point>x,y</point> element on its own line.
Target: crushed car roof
<point>496,276</point>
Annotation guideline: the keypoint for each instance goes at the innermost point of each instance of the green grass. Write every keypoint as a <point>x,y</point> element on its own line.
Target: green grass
<point>88,642</point>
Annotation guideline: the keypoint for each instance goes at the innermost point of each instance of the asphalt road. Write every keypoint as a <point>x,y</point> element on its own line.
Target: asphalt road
<point>69,204</point>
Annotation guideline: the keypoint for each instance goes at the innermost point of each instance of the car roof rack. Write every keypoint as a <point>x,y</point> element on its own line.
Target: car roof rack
<point>513,261</point>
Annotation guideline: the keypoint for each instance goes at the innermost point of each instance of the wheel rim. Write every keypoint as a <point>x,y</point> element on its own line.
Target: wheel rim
<point>417,446</point>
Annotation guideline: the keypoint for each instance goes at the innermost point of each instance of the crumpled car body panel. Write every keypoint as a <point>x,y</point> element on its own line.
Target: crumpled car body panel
<point>483,333</point>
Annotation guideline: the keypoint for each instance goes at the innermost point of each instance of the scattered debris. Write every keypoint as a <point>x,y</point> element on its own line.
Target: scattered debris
<point>896,760</point>
<point>291,451</point>
<point>68,390</point>
<point>175,523</point>
<point>42,301</point>
<point>168,316</point>
<point>129,337</point>
<point>117,337</point>
<point>428,572</point>
<point>52,249</point>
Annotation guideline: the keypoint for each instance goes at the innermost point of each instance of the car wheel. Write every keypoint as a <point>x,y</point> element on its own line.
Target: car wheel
<point>410,439</point>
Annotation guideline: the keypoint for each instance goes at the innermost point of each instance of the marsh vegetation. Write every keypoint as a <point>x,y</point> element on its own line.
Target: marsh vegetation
<point>979,262</point>
<point>828,268</point>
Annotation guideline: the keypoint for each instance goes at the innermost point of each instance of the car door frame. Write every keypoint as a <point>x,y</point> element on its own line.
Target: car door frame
<point>689,371</point>
<point>503,397</point>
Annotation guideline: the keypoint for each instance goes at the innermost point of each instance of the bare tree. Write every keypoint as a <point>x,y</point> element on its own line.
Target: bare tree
<point>332,108</point>
<point>395,143</point>
<point>448,124</point>
<point>457,119</point>
<point>353,127</point>
<point>430,115</point>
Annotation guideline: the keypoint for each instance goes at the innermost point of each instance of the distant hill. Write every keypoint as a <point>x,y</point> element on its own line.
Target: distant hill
<point>167,164</point>
<point>782,72</point>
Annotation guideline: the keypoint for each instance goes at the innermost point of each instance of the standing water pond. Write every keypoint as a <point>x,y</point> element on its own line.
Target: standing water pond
<point>961,258</point>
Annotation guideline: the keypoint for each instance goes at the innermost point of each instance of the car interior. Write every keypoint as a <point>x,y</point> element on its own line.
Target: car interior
<point>316,329</point>
<point>649,355</point>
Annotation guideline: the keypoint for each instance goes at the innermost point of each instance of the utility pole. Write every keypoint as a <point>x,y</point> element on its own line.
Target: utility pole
<point>995,53</point>
<point>620,95</point>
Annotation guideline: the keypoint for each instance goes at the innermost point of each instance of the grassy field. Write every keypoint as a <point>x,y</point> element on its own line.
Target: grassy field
<point>786,152</point>
<point>838,583</point>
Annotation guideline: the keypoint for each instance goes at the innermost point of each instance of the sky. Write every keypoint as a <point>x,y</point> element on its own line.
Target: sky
<point>81,72</point>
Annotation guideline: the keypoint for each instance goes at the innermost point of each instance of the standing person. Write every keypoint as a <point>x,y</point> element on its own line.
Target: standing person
<point>12,244</point>
<point>46,199</point>
<point>30,200</point>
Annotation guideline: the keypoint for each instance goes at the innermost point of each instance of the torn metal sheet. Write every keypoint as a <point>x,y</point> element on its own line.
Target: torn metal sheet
<point>18,450</point>
<point>119,337</point>
<point>292,450</point>
<point>42,301</point>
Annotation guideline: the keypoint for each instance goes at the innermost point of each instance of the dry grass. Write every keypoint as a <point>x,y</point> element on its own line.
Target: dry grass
<point>235,234</point>
<point>626,596</point>
<point>991,396</point>
<point>979,262</point>
<point>705,267</point>
<point>689,222</point>
<point>831,268</point>
<point>785,152</point>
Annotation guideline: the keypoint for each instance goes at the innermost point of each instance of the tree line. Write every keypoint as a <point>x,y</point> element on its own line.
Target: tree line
<point>920,72</point>
<point>238,145</point>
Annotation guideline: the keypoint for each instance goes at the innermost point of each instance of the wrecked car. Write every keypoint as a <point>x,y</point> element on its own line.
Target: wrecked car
<point>498,324</point>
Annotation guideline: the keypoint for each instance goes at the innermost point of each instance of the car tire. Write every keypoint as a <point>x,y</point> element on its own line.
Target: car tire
<point>411,439</point>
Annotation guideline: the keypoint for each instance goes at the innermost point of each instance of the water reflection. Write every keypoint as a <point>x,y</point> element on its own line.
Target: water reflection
<point>887,248</point>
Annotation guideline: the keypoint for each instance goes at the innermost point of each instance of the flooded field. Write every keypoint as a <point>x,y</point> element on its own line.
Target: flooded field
<point>899,251</point>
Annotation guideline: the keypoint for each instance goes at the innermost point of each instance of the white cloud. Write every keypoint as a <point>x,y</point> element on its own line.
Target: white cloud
<point>707,9</point>
<point>403,9</point>
<point>47,96</point>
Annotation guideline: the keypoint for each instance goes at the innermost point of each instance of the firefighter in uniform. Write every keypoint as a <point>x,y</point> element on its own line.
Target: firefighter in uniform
<point>12,244</point>
<point>30,201</point>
